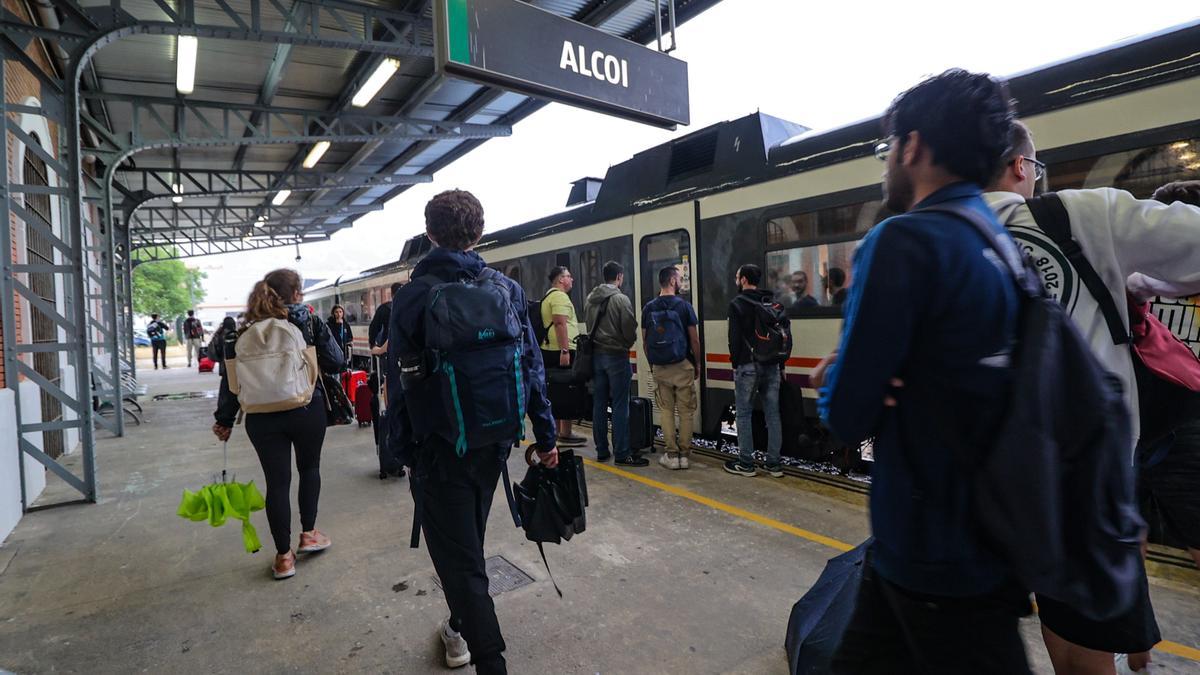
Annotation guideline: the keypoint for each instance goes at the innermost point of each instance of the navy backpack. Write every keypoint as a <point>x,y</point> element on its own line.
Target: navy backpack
<point>666,342</point>
<point>474,340</point>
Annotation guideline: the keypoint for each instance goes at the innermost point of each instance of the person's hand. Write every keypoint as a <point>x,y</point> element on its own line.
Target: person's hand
<point>549,458</point>
<point>378,351</point>
<point>221,432</point>
<point>1186,191</point>
<point>817,377</point>
<point>564,360</point>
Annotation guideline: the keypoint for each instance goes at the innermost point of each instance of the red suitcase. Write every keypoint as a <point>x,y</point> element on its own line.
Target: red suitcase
<point>362,405</point>
<point>206,364</point>
<point>350,381</point>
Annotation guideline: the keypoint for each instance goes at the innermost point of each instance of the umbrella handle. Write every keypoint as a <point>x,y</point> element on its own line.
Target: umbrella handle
<point>224,459</point>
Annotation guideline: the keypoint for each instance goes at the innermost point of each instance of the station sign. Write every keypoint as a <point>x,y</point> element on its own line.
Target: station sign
<point>516,46</point>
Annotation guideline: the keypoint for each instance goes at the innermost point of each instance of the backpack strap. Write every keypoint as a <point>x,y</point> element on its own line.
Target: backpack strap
<point>1051,216</point>
<point>1005,248</point>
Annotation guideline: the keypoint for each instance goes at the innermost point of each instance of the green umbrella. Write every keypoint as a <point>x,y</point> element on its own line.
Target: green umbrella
<point>225,499</point>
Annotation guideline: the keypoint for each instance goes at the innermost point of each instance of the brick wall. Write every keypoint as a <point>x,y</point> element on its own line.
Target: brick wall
<point>20,84</point>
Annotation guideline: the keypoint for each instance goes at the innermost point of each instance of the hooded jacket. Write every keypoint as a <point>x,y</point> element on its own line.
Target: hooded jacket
<point>741,324</point>
<point>616,333</point>
<point>329,359</point>
<point>406,335</point>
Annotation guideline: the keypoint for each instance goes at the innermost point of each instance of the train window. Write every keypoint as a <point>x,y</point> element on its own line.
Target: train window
<point>809,255</point>
<point>513,272</point>
<point>1139,171</point>
<point>660,250</point>
<point>588,275</point>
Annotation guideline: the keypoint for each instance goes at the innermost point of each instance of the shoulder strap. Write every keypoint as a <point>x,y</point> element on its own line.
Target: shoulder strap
<point>1051,216</point>
<point>1008,253</point>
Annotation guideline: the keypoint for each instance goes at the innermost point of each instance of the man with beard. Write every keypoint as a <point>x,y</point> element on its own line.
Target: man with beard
<point>933,307</point>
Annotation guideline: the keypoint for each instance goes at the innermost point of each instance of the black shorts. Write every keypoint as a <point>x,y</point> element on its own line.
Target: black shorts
<point>1134,631</point>
<point>1174,485</point>
<point>568,401</point>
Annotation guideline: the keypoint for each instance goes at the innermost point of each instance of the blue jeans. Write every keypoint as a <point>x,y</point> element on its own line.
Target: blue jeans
<point>750,379</point>
<point>610,381</point>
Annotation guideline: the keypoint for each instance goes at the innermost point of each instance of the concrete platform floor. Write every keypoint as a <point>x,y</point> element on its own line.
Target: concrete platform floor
<point>659,583</point>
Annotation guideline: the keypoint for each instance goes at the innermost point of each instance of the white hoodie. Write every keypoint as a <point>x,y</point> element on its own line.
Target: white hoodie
<point>1120,235</point>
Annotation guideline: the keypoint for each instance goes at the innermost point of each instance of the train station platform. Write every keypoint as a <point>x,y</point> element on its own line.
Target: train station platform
<point>689,571</point>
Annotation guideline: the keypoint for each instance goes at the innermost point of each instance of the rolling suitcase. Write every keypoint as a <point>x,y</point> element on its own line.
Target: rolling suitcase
<point>205,364</point>
<point>641,424</point>
<point>350,381</point>
<point>390,463</point>
<point>363,396</point>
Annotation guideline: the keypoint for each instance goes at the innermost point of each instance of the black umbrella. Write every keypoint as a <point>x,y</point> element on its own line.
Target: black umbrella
<point>821,616</point>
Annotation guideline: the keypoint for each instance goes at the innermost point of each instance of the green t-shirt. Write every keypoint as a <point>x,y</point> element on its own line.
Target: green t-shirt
<point>558,302</point>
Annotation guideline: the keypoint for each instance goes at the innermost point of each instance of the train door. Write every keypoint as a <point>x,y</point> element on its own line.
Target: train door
<point>662,238</point>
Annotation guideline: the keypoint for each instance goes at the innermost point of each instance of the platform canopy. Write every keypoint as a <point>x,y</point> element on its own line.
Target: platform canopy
<point>230,124</point>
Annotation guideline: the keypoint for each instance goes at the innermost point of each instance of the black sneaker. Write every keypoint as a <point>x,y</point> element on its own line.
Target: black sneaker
<point>633,460</point>
<point>737,468</point>
<point>604,458</point>
<point>775,470</point>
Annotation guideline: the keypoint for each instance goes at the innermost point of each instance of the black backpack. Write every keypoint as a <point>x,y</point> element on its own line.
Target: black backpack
<point>1054,493</point>
<point>771,342</point>
<point>540,330</point>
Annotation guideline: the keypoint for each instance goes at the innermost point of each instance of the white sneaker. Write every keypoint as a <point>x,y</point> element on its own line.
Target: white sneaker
<point>683,461</point>
<point>457,654</point>
<point>669,460</point>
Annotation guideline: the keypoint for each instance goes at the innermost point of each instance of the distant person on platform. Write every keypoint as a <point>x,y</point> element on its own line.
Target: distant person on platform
<point>193,332</point>
<point>342,333</point>
<point>378,331</point>
<point>613,329</point>
<point>157,331</point>
<point>835,284</point>
<point>671,343</point>
<point>562,327</point>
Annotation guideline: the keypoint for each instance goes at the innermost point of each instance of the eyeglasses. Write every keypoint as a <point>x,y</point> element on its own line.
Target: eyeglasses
<point>882,150</point>
<point>1039,168</point>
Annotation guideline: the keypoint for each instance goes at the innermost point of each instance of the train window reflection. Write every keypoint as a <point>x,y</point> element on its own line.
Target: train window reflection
<point>809,279</point>
<point>1139,171</point>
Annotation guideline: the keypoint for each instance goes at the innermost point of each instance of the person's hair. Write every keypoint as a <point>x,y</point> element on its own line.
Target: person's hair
<point>1021,142</point>
<point>270,297</point>
<point>751,273</point>
<point>555,273</point>
<point>454,219</point>
<point>612,268</point>
<point>333,310</point>
<point>153,316</point>
<point>666,274</point>
<point>837,277</point>
<point>965,118</point>
<point>191,313</point>
<point>229,323</point>
<point>396,286</point>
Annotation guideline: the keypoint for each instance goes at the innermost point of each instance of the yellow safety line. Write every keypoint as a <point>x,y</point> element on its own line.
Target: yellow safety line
<point>1164,646</point>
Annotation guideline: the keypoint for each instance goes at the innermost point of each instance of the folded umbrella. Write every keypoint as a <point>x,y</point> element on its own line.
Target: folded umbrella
<point>820,618</point>
<point>220,500</point>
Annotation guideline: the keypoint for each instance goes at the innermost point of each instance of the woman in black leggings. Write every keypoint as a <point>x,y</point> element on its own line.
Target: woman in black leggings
<point>275,434</point>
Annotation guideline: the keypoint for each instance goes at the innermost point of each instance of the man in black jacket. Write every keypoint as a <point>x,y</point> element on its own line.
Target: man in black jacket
<point>751,378</point>
<point>378,331</point>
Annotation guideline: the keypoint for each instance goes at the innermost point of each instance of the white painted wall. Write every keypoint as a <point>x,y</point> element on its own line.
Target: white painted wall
<point>10,477</point>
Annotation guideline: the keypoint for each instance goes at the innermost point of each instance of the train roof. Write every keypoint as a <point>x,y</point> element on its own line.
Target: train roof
<point>760,147</point>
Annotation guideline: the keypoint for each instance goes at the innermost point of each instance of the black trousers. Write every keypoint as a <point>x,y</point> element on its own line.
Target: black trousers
<point>274,435</point>
<point>455,497</point>
<point>158,348</point>
<point>897,631</point>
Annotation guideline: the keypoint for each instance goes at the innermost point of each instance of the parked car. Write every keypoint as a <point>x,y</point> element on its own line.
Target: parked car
<point>140,339</point>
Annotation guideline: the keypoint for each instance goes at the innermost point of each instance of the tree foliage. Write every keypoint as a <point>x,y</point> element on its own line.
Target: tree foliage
<point>167,288</point>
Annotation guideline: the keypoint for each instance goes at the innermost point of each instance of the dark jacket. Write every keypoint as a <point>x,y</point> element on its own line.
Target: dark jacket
<point>378,331</point>
<point>617,332</point>
<point>933,306</point>
<point>329,359</point>
<point>343,334</point>
<point>741,325</point>
<point>406,336</point>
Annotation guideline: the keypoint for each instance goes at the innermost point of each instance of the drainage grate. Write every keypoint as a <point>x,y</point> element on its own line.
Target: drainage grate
<point>503,576</point>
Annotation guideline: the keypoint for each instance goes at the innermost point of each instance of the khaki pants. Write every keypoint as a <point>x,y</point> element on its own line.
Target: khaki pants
<point>675,390</point>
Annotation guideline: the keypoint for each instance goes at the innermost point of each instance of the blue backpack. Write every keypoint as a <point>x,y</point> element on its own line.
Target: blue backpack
<point>474,341</point>
<point>666,341</point>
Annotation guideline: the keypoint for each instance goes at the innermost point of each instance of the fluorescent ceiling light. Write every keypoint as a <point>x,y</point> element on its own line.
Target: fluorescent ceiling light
<point>177,198</point>
<point>281,197</point>
<point>261,221</point>
<point>186,47</point>
<point>315,154</point>
<point>383,73</point>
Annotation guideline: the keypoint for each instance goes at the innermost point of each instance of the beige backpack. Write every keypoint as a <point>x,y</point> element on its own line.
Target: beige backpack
<point>274,369</point>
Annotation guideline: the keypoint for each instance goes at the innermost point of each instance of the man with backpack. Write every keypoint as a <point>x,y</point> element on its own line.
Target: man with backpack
<point>469,372</point>
<point>559,328</point>
<point>612,329</point>
<point>934,305</point>
<point>156,330</point>
<point>1088,242</point>
<point>193,332</point>
<point>760,340</point>
<point>671,342</point>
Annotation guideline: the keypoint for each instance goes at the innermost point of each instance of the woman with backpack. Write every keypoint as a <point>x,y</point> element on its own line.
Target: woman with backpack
<point>342,333</point>
<point>284,415</point>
